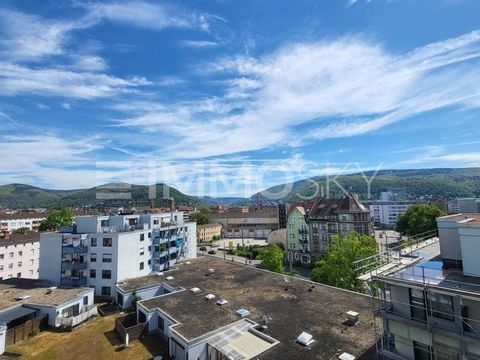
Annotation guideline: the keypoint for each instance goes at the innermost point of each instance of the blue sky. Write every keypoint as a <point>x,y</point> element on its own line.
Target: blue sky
<point>223,97</point>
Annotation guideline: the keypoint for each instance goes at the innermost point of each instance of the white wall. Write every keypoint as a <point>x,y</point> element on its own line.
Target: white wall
<point>470,246</point>
<point>3,334</point>
<point>50,257</point>
<point>24,261</point>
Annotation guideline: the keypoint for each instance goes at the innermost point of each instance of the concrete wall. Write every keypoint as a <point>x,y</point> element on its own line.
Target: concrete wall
<point>50,257</point>
<point>449,238</point>
<point>470,245</point>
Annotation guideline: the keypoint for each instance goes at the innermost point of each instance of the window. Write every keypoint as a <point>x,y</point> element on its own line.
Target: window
<point>93,242</point>
<point>142,265</point>
<point>1,267</point>
<point>161,323</point>
<point>19,264</point>
<point>442,306</point>
<point>106,274</point>
<point>107,242</point>
<point>10,255</point>
<point>142,237</point>
<point>142,251</point>
<point>107,258</point>
<point>20,253</point>
<point>1,256</point>
<point>19,275</point>
<point>149,262</point>
<point>93,273</point>
<point>417,305</point>
<point>31,261</point>
<point>10,266</point>
<point>85,300</point>
<point>32,251</point>
<point>93,257</point>
<point>106,291</point>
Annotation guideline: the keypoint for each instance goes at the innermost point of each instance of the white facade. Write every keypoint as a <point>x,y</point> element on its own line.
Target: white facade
<point>387,213</point>
<point>3,332</point>
<point>107,249</point>
<point>464,205</point>
<point>19,259</point>
<point>9,223</point>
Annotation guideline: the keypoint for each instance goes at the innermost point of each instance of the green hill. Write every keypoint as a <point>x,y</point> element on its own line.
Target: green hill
<point>17,196</point>
<point>430,183</point>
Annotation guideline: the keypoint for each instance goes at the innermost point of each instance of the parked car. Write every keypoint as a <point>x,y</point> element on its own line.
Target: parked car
<point>203,248</point>
<point>212,252</point>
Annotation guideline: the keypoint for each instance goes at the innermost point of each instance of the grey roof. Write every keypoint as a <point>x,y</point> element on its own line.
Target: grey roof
<point>15,313</point>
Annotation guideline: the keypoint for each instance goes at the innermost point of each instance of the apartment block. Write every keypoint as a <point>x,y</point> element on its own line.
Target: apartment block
<point>102,250</point>
<point>312,226</point>
<point>208,232</point>
<point>247,224</point>
<point>386,213</point>
<point>29,221</point>
<point>209,309</point>
<point>19,256</point>
<point>464,205</point>
<point>431,309</point>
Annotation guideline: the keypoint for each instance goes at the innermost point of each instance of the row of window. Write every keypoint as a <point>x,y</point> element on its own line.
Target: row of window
<point>19,264</point>
<point>12,254</point>
<point>19,275</point>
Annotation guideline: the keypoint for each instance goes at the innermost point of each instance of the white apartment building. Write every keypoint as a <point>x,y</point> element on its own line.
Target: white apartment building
<point>103,250</point>
<point>386,213</point>
<point>464,205</point>
<point>19,256</point>
<point>12,222</point>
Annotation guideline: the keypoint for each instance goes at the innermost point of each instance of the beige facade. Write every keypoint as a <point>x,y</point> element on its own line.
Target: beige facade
<point>207,232</point>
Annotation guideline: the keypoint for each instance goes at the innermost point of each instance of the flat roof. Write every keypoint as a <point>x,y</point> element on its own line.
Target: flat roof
<point>19,239</point>
<point>35,292</point>
<point>292,306</point>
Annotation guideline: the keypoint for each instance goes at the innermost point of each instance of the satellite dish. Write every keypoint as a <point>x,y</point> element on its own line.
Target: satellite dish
<point>264,322</point>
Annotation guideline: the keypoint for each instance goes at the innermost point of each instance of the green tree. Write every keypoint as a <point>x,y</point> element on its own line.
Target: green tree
<point>56,219</point>
<point>272,258</point>
<point>419,219</point>
<point>336,268</point>
<point>201,217</point>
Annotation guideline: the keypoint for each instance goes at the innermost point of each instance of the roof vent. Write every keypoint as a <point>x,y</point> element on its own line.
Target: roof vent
<point>346,356</point>
<point>222,302</point>
<point>188,262</point>
<point>22,297</point>
<point>305,339</point>
<point>210,271</point>
<point>352,317</point>
<point>210,296</point>
<point>242,312</point>
<point>169,278</point>
<point>195,290</point>
<point>159,273</point>
<point>50,289</point>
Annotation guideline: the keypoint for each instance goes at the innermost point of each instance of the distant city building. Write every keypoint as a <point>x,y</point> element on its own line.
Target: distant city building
<point>102,250</point>
<point>29,221</point>
<point>311,226</point>
<point>19,256</point>
<point>247,224</point>
<point>431,310</point>
<point>393,194</point>
<point>464,205</point>
<point>386,213</point>
<point>211,309</point>
<point>208,232</point>
<point>28,305</point>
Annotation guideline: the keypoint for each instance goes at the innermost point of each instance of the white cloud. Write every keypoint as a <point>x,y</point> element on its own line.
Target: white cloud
<point>344,87</point>
<point>198,43</point>
<point>16,79</point>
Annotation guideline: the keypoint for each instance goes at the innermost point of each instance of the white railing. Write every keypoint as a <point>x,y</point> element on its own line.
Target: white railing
<point>75,320</point>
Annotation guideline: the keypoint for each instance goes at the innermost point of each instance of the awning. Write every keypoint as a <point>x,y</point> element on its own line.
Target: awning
<point>16,313</point>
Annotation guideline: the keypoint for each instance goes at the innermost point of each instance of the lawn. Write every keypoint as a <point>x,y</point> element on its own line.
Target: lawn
<point>94,340</point>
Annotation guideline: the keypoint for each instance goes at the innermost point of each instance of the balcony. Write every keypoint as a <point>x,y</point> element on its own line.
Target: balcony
<point>160,240</point>
<point>87,312</point>
<point>70,249</point>
<point>73,282</point>
<point>74,265</point>
<point>303,231</point>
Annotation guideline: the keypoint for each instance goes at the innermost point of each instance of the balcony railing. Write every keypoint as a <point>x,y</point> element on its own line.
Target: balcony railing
<point>70,249</point>
<point>88,312</point>
<point>74,265</point>
<point>303,231</point>
<point>73,282</point>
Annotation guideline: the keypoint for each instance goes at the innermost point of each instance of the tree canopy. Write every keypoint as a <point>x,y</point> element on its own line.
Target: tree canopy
<point>272,258</point>
<point>336,268</point>
<point>201,217</point>
<point>56,219</point>
<point>418,219</point>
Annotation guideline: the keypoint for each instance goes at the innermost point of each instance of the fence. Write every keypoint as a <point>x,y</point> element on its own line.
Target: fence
<point>73,321</point>
<point>128,325</point>
<point>29,327</point>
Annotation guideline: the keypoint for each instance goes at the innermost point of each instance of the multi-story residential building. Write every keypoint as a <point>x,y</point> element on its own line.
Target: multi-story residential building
<point>311,226</point>
<point>102,250</point>
<point>210,309</point>
<point>19,256</point>
<point>431,310</point>
<point>298,243</point>
<point>208,232</point>
<point>386,213</point>
<point>464,205</point>
<point>29,221</point>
